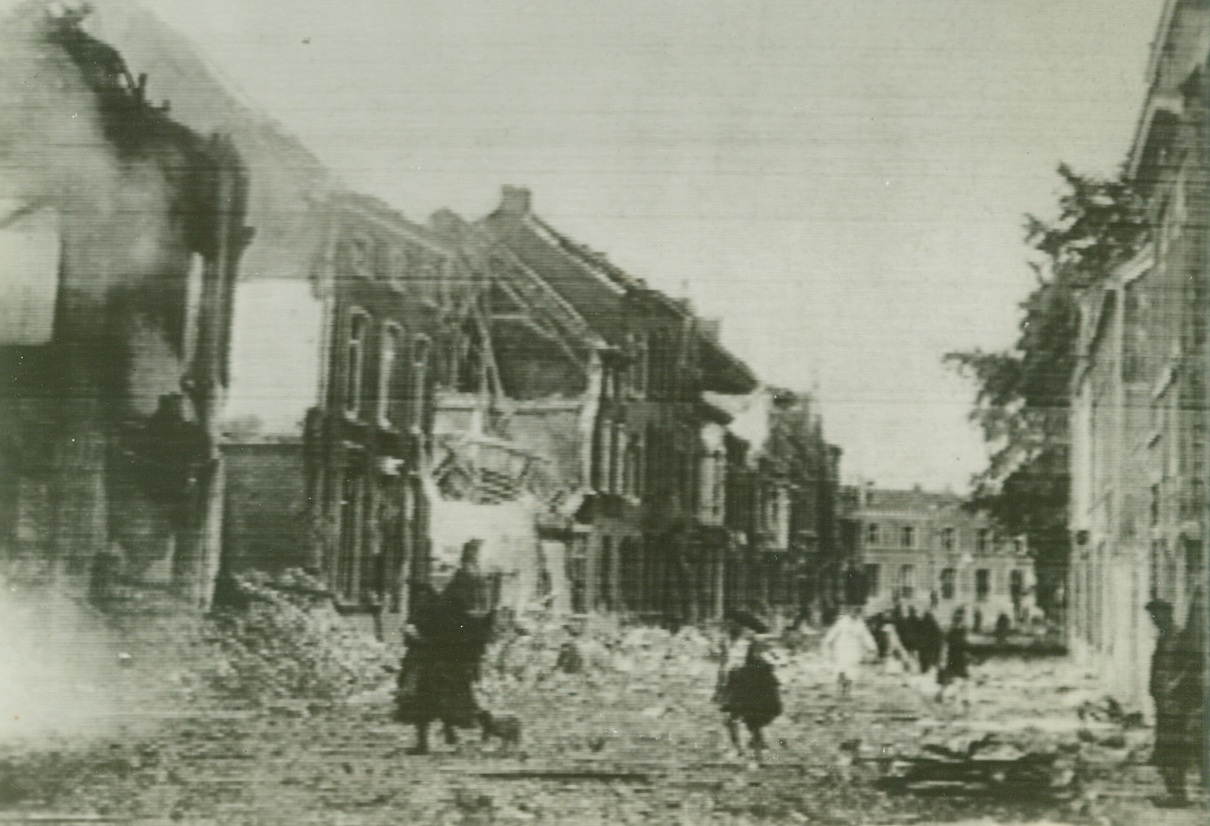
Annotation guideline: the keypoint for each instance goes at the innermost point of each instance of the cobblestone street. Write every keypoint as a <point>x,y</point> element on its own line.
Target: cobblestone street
<point>633,739</point>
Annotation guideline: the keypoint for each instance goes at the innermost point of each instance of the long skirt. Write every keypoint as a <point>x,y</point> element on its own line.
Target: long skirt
<point>437,690</point>
<point>750,694</point>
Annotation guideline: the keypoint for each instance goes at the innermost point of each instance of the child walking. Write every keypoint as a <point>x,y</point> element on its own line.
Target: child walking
<point>750,694</point>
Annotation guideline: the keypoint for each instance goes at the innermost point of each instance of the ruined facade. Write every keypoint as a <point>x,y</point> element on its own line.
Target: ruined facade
<point>782,489</point>
<point>402,324</point>
<point>110,463</point>
<point>926,550</point>
<point>1139,404</point>
<point>640,535</point>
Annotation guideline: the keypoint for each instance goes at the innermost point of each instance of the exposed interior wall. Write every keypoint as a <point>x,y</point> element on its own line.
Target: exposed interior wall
<point>264,525</point>
<point>275,353</point>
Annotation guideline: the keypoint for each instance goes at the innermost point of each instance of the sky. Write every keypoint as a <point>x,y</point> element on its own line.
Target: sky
<point>841,181</point>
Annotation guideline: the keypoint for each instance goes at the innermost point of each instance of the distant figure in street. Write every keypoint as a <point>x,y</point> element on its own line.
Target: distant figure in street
<point>1003,628</point>
<point>910,636</point>
<point>1177,686</point>
<point>848,642</point>
<point>896,659</point>
<point>874,624</point>
<point>977,627</point>
<point>739,633</point>
<point>931,641</point>
<point>957,658</point>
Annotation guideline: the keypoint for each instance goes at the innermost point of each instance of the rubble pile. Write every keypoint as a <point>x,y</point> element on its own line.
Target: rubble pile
<point>286,640</point>
<point>1024,762</point>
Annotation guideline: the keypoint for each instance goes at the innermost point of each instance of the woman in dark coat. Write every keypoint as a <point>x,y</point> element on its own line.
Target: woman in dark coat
<point>930,641</point>
<point>445,643</point>
<point>957,656</point>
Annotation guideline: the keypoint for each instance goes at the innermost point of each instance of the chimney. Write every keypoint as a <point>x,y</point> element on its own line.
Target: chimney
<point>515,200</point>
<point>445,222</point>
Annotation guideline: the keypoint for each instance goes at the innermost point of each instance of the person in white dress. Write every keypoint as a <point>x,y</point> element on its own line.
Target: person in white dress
<point>898,661</point>
<point>847,643</point>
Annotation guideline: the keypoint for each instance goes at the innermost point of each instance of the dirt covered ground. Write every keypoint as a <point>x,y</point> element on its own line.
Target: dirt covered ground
<point>131,734</point>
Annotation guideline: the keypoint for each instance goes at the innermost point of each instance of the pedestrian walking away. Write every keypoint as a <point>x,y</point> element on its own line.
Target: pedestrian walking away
<point>931,642</point>
<point>751,695</point>
<point>848,642</point>
<point>896,659</point>
<point>956,671</point>
<point>909,635</point>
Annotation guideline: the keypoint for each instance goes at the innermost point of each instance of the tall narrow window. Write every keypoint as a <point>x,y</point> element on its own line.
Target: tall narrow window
<point>982,536</point>
<point>348,564</point>
<point>605,457</point>
<point>719,499</point>
<point>872,583</point>
<point>947,539</point>
<point>1016,585</point>
<point>421,345</point>
<point>657,383</point>
<point>983,584</point>
<point>871,534</point>
<point>907,537</point>
<point>640,364</point>
<point>355,361</point>
<point>907,581</point>
<point>387,361</point>
<point>617,466</point>
<point>640,464</point>
<point>949,581</point>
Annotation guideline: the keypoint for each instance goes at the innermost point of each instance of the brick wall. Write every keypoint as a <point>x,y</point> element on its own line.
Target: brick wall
<point>265,524</point>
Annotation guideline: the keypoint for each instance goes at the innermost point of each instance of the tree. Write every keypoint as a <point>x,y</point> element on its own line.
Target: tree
<point>1023,394</point>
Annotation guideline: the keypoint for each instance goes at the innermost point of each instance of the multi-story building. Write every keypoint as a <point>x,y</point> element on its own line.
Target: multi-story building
<point>122,246</point>
<point>403,323</point>
<point>925,549</point>
<point>645,535</point>
<point>1139,406</point>
<point>781,500</point>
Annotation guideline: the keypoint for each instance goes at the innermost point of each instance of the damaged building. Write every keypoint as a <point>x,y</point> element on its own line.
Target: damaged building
<point>615,386</point>
<point>1140,402</point>
<point>405,345</point>
<point>782,505</point>
<point>122,233</point>
<point>353,392</point>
